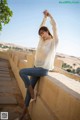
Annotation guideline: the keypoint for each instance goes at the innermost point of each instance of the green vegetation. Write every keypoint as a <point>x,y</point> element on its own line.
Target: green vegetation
<point>5,13</point>
<point>70,68</point>
<point>10,47</point>
<point>78,70</point>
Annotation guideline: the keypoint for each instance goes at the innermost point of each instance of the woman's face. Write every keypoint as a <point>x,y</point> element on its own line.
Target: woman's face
<point>44,35</point>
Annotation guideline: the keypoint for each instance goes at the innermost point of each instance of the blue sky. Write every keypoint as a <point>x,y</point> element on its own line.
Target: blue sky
<point>27,17</point>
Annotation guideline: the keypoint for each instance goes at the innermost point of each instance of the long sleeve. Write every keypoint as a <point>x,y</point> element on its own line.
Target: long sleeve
<point>55,37</point>
<point>43,21</point>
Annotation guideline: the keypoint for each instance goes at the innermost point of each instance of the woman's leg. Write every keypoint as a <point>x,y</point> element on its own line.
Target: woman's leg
<point>36,72</point>
<point>28,97</point>
<point>24,73</point>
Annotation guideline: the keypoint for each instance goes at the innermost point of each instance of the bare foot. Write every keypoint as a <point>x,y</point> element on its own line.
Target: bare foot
<point>35,96</point>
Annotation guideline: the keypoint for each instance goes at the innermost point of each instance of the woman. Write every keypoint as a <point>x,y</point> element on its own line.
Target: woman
<point>44,59</point>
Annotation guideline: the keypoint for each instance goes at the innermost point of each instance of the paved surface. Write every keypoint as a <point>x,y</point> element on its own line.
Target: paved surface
<point>71,85</point>
<point>11,99</point>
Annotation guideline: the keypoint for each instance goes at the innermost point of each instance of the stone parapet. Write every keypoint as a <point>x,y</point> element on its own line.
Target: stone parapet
<point>59,96</point>
<point>60,100</point>
<point>4,55</point>
<point>70,75</point>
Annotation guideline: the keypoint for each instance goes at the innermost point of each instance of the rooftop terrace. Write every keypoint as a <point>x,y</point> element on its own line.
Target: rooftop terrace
<point>59,97</point>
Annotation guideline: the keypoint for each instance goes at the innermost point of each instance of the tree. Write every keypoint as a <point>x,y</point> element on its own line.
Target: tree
<point>64,65</point>
<point>68,70</point>
<point>78,70</point>
<point>5,13</point>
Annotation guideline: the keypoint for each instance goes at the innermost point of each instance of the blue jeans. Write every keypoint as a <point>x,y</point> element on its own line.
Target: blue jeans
<point>35,74</point>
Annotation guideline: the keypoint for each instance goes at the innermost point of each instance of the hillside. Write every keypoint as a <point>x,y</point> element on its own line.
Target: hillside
<point>70,60</point>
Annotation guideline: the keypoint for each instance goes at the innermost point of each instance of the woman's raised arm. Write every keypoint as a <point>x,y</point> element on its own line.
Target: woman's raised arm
<point>54,28</point>
<point>44,19</point>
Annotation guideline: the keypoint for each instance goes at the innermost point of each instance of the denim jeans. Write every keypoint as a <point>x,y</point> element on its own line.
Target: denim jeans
<point>35,73</point>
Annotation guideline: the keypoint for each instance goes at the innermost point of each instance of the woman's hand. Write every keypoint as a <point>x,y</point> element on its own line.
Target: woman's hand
<point>46,13</point>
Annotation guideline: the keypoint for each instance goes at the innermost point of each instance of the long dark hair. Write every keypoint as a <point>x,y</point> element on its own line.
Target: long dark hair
<point>44,28</point>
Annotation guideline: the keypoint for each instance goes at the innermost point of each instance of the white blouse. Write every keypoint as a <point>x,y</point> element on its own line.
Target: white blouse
<point>45,53</point>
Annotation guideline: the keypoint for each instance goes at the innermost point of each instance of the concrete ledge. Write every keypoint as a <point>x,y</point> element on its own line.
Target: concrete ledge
<point>68,84</point>
<point>17,76</point>
<point>40,111</point>
<point>70,75</point>
<point>59,95</point>
<point>63,102</point>
<point>4,55</point>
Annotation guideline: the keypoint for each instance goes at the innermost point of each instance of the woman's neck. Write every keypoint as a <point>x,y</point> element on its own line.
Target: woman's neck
<point>48,38</point>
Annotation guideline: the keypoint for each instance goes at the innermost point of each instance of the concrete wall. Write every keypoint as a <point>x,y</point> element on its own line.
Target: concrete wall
<point>4,55</point>
<point>55,101</point>
<point>20,60</point>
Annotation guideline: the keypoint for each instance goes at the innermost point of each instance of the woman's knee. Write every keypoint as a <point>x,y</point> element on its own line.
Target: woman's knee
<point>21,72</point>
